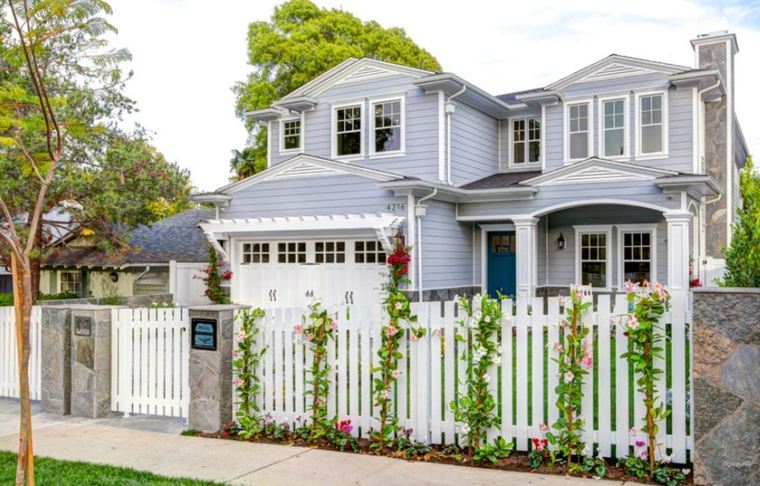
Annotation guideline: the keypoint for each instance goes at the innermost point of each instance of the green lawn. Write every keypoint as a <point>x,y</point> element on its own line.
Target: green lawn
<point>63,473</point>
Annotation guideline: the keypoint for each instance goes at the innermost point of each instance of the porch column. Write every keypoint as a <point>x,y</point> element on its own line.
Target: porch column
<point>525,230</point>
<point>678,250</point>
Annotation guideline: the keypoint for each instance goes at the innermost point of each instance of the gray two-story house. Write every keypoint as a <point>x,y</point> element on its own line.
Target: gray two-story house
<point>623,170</point>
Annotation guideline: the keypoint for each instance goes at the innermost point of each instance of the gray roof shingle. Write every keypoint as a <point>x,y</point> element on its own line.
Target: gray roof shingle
<point>501,180</point>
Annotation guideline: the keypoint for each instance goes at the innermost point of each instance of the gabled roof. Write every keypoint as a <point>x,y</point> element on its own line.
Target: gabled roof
<point>615,66</point>
<point>353,70</point>
<point>304,165</point>
<point>598,170</point>
<point>175,238</point>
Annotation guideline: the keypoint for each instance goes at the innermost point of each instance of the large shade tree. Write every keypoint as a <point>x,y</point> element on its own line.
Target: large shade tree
<point>300,42</point>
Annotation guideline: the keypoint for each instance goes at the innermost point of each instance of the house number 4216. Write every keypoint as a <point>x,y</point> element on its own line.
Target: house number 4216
<point>393,207</point>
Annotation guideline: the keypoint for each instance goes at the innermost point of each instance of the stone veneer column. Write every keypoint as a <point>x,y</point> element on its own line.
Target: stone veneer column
<point>90,360</point>
<point>726,390</point>
<point>527,266</point>
<point>210,371</point>
<point>55,362</point>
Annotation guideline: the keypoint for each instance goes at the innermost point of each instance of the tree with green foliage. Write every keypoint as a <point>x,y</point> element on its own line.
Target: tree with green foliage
<point>743,255</point>
<point>300,42</point>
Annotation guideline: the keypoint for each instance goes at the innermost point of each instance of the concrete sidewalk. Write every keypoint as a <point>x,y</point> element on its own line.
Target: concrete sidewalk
<point>125,442</point>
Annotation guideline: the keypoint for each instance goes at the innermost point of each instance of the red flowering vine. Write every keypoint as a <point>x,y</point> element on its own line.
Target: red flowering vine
<point>213,278</point>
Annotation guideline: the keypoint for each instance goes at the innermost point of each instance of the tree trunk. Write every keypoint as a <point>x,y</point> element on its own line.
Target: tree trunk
<point>22,296</point>
<point>35,266</point>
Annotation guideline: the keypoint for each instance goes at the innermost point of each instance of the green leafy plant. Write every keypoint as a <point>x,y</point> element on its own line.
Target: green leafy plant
<point>318,329</point>
<point>574,357</point>
<point>410,448</point>
<point>213,278</point>
<point>245,363</point>
<point>539,453</point>
<point>340,436</point>
<point>499,449</point>
<point>475,406</point>
<point>647,305</point>
<point>595,465</point>
<point>398,309</point>
<point>743,254</point>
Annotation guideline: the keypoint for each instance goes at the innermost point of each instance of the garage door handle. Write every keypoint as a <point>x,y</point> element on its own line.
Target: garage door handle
<point>275,295</point>
<point>352,296</point>
<point>270,295</point>
<point>346,296</point>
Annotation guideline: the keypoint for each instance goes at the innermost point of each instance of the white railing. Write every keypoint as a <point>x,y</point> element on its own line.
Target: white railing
<point>9,354</point>
<point>149,361</point>
<point>433,374</point>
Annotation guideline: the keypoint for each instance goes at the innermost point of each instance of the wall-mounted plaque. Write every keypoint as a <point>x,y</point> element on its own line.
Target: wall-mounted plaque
<point>83,326</point>
<point>203,334</point>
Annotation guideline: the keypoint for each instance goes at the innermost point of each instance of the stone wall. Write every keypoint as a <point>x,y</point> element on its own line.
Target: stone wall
<point>132,301</point>
<point>726,337</point>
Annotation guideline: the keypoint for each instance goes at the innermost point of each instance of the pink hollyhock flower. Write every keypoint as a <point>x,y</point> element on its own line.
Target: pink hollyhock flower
<point>630,287</point>
<point>241,336</point>
<point>544,428</point>
<point>661,292</point>
<point>391,330</point>
<point>588,361</point>
<point>385,394</point>
<point>413,337</point>
<point>298,329</point>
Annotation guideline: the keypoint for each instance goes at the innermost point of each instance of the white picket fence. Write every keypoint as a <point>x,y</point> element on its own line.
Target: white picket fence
<point>523,383</point>
<point>149,361</point>
<point>9,354</point>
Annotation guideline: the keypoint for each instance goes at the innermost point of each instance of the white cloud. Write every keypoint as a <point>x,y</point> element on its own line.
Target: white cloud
<point>189,53</point>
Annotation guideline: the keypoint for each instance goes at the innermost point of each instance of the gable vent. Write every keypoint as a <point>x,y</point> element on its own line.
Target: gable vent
<point>614,71</point>
<point>303,171</point>
<point>366,72</point>
<point>596,174</point>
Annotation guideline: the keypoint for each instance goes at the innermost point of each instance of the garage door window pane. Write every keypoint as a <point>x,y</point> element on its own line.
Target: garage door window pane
<point>255,253</point>
<point>368,252</point>
<point>291,252</point>
<point>330,252</point>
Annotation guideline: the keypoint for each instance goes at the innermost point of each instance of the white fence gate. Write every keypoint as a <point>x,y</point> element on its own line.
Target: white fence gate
<point>9,354</point>
<point>523,383</point>
<point>149,361</point>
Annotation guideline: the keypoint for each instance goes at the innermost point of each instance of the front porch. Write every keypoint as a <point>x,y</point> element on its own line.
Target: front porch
<point>599,245</point>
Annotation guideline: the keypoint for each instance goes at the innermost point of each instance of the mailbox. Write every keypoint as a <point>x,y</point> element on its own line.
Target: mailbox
<point>83,326</point>
<point>203,334</point>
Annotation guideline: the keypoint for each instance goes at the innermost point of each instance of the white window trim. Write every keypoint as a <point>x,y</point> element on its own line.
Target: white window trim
<point>566,128</point>
<point>595,228</point>
<point>60,281</point>
<point>665,125</point>
<point>334,130</point>
<point>626,132</point>
<point>298,149</point>
<point>637,228</point>
<point>510,141</point>
<point>371,114</point>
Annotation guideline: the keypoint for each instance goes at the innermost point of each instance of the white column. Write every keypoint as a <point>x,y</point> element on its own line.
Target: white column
<point>678,250</point>
<point>525,229</point>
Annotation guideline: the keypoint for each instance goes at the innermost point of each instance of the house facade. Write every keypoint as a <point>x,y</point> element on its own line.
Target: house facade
<point>625,169</point>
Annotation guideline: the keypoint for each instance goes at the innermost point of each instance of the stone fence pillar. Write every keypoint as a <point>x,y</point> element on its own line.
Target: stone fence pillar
<point>76,360</point>
<point>726,351</point>
<point>210,374</point>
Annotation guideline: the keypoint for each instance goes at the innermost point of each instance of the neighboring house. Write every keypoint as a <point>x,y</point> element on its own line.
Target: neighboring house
<point>164,259</point>
<point>6,281</point>
<point>622,170</point>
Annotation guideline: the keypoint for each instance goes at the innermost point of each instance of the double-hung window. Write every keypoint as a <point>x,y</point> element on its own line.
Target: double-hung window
<point>578,131</point>
<point>526,141</point>
<point>291,135</point>
<point>652,120</point>
<point>71,283</point>
<point>593,256</point>
<point>348,130</point>
<point>387,127</point>
<point>637,246</point>
<point>613,128</point>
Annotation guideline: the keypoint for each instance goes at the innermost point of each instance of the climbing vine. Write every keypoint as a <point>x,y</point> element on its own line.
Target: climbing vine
<point>318,330</point>
<point>213,277</point>
<point>399,312</point>
<point>646,307</point>
<point>475,406</point>
<point>575,359</point>
<point>245,363</point>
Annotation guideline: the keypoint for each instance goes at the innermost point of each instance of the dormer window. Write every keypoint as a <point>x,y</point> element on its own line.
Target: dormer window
<point>348,130</point>
<point>526,141</point>
<point>387,126</point>
<point>291,135</point>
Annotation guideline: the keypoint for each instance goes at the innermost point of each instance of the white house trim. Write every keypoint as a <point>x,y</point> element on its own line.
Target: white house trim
<point>333,222</point>
<point>665,125</point>
<point>441,137</point>
<point>626,129</point>
<point>511,142</point>
<point>566,129</point>
<point>627,228</point>
<point>484,230</point>
<point>371,116</point>
<point>625,171</point>
<point>594,228</point>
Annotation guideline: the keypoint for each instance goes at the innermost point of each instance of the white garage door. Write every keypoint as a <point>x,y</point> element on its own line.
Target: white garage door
<point>293,273</point>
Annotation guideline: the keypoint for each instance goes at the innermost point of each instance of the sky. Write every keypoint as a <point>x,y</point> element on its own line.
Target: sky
<point>187,54</point>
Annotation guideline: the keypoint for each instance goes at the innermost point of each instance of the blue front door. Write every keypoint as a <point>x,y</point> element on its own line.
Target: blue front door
<point>501,263</point>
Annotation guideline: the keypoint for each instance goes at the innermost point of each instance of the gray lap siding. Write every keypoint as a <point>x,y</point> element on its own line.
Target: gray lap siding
<point>447,248</point>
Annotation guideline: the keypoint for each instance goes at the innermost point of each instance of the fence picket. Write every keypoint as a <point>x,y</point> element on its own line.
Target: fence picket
<point>678,384</point>
<point>450,358</point>
<point>436,390</point>
<point>552,375</point>
<point>507,371</point>
<point>622,407</point>
<point>538,322</point>
<point>603,366</point>
<point>522,320</point>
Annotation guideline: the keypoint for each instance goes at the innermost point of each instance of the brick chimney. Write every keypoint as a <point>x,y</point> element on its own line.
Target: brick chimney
<point>717,51</point>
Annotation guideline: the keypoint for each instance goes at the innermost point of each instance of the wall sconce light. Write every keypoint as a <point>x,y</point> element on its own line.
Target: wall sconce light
<point>114,277</point>
<point>561,242</point>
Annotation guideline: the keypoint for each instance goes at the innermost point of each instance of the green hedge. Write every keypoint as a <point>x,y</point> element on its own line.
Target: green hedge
<point>7,299</point>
